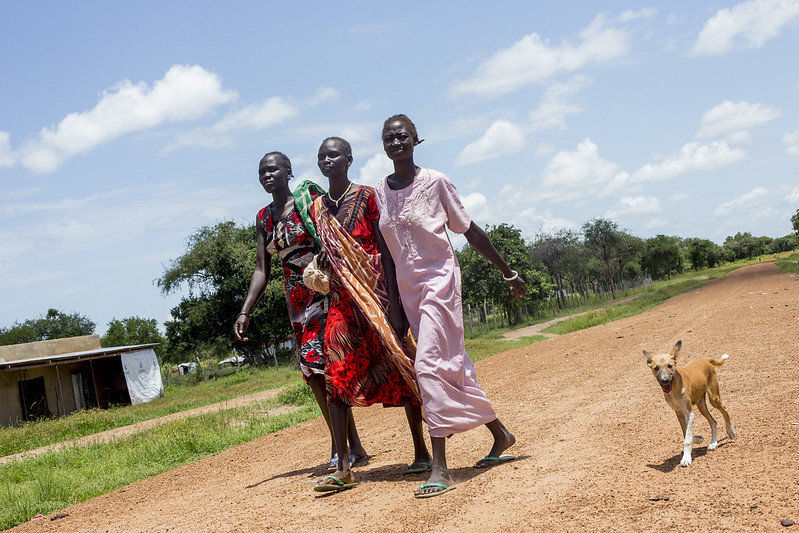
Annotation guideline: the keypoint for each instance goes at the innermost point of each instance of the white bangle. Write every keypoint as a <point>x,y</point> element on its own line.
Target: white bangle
<point>513,277</point>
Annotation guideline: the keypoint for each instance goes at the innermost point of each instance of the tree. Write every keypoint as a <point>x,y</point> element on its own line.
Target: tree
<point>662,255</point>
<point>785,244</point>
<point>481,280</point>
<point>745,246</point>
<point>703,253</point>
<point>216,269</point>
<point>131,331</point>
<point>604,242</point>
<point>53,325</point>
<point>564,257</point>
<point>795,221</point>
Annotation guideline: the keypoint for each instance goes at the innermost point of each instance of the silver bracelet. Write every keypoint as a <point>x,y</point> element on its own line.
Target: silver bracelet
<point>513,277</point>
<point>243,313</point>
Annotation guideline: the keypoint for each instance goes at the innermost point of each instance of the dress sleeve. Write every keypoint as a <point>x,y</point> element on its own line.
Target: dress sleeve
<point>266,224</point>
<point>372,212</point>
<point>458,220</point>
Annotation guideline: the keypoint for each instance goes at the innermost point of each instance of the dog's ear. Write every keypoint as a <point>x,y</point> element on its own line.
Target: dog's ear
<point>676,350</point>
<point>648,357</point>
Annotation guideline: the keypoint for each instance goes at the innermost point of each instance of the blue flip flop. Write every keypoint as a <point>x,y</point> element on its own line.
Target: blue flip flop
<point>488,461</point>
<point>440,486</point>
<point>354,460</point>
<point>332,484</point>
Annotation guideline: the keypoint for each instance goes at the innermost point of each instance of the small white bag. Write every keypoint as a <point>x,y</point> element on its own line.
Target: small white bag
<point>316,279</point>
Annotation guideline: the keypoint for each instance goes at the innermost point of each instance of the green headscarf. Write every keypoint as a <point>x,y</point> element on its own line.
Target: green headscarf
<point>304,195</point>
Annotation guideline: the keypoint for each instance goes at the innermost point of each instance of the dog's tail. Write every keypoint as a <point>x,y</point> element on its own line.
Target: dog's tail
<point>719,362</point>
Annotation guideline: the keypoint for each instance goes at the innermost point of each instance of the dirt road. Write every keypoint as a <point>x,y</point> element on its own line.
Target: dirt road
<point>598,449</point>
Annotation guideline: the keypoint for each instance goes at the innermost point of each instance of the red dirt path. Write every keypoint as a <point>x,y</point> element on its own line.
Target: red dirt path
<point>598,449</point>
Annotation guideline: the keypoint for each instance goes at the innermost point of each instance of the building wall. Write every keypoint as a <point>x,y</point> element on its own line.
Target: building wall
<point>58,404</point>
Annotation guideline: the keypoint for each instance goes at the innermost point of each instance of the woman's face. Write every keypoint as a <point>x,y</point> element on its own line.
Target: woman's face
<point>397,140</point>
<point>333,159</point>
<point>272,174</point>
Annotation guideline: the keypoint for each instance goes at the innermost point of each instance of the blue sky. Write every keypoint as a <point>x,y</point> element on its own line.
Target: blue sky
<point>126,126</point>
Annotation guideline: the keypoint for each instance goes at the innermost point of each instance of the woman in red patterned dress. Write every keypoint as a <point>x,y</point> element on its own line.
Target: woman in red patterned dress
<point>364,359</point>
<point>280,229</point>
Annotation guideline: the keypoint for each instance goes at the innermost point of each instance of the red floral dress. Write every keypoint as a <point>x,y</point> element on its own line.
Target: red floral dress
<point>358,371</point>
<point>289,238</point>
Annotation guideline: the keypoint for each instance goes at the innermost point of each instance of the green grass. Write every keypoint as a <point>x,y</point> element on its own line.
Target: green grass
<point>789,264</point>
<point>52,481</point>
<point>177,398</point>
<point>492,343</point>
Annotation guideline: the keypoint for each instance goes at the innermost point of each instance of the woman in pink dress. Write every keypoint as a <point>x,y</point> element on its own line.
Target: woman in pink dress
<point>416,206</point>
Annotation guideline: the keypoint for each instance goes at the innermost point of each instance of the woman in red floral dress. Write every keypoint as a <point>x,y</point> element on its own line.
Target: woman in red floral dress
<point>365,361</point>
<point>280,229</point>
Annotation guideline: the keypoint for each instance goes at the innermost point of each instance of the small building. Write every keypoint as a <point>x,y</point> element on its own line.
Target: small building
<point>60,376</point>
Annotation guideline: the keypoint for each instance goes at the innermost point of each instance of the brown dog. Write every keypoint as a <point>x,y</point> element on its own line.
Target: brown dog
<point>685,387</point>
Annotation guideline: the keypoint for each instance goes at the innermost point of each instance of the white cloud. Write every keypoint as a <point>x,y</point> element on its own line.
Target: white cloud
<point>645,13</point>
<point>748,25</point>
<point>532,60</point>
<point>502,138</point>
<point>110,220</point>
<point>6,155</point>
<point>791,141</point>
<point>324,94</point>
<point>734,118</point>
<point>544,148</point>
<point>376,167</point>
<point>789,194</point>
<point>580,174</point>
<point>635,206</point>
<point>185,93</point>
<point>556,104</point>
<point>474,203</point>
<point>693,157</point>
<point>254,117</point>
<point>258,116</point>
<point>751,202</point>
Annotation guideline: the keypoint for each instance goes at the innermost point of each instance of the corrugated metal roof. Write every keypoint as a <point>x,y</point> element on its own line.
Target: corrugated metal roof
<point>71,357</point>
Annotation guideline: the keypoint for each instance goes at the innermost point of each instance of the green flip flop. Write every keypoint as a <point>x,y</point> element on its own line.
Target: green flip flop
<point>487,461</point>
<point>440,486</point>
<point>332,483</point>
<point>417,467</point>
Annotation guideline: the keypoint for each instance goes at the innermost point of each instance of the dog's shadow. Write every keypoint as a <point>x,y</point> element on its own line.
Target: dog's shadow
<point>673,462</point>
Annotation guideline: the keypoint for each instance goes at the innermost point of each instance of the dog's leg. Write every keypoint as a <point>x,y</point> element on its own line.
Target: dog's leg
<point>702,405</point>
<point>715,400</point>
<point>689,438</point>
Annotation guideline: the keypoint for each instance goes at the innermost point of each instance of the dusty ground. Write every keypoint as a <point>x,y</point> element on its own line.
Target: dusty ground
<point>598,449</point>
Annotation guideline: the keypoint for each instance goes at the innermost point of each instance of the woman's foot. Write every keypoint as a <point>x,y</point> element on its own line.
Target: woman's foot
<point>503,439</point>
<point>438,481</point>
<point>423,462</point>
<point>335,482</point>
<point>438,476</point>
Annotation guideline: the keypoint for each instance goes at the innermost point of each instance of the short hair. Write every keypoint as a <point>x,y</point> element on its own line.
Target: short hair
<point>282,156</point>
<point>347,146</point>
<point>408,122</point>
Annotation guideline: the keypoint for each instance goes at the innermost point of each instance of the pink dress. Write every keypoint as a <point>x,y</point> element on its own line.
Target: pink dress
<point>412,221</point>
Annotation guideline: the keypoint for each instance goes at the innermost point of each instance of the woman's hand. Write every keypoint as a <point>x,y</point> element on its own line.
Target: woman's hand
<point>517,287</point>
<point>398,321</point>
<point>240,326</point>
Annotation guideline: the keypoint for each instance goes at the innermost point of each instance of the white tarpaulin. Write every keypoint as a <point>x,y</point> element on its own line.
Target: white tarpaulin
<point>143,376</point>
